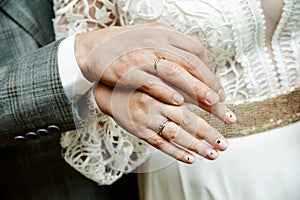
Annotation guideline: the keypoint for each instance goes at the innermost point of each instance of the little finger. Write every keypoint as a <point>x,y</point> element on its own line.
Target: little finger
<point>167,147</point>
<point>173,133</point>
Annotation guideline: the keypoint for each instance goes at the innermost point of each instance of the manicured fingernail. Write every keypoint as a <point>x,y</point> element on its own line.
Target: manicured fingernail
<point>178,99</point>
<point>230,116</point>
<point>211,153</point>
<point>222,94</point>
<point>222,144</point>
<point>190,159</point>
<point>212,97</point>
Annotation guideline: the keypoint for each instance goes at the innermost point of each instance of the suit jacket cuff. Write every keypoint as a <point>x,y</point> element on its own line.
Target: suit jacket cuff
<point>32,95</point>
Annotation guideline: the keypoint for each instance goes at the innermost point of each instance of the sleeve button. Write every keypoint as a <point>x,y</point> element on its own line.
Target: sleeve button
<point>53,129</point>
<point>20,138</point>
<point>42,132</point>
<point>31,135</point>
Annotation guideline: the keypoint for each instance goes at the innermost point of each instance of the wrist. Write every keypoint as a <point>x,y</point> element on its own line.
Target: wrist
<point>74,82</point>
<point>102,95</point>
<point>82,48</point>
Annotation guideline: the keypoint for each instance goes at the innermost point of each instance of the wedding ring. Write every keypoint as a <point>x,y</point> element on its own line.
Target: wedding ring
<point>161,126</point>
<point>156,62</point>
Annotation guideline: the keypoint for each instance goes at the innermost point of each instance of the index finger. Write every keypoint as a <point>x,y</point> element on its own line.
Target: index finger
<point>191,55</point>
<point>197,68</point>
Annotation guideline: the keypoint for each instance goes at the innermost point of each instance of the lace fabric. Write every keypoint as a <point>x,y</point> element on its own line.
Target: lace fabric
<point>102,150</point>
<point>286,45</point>
<point>233,33</point>
<point>77,16</point>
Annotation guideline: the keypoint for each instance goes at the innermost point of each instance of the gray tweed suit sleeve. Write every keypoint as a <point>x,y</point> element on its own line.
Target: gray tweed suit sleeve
<point>32,96</point>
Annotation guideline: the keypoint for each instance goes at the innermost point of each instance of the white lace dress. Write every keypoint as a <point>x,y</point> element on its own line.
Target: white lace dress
<point>258,166</point>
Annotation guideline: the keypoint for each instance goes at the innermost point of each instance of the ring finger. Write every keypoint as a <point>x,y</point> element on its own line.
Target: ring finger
<point>174,134</point>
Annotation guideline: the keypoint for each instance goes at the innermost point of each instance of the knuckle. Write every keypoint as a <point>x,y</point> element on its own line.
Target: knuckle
<point>206,92</point>
<point>199,89</point>
<point>171,132</point>
<point>191,63</point>
<point>194,63</point>
<point>187,119</point>
<point>213,81</point>
<point>148,84</point>
<point>188,59</point>
<point>143,100</point>
<point>138,109</point>
<point>207,132</point>
<point>159,143</point>
<point>196,146</point>
<point>172,70</point>
<point>120,69</point>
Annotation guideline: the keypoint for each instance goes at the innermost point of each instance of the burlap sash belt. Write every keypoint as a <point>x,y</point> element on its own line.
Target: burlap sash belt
<point>258,115</point>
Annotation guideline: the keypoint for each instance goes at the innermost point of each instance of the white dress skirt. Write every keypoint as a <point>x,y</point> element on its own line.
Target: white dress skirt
<point>264,166</point>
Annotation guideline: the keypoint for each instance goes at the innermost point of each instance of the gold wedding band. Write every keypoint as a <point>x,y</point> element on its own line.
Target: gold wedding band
<point>161,126</point>
<point>156,62</point>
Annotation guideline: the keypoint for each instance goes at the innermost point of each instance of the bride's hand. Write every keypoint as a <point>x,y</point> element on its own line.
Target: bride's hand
<point>128,57</point>
<point>172,129</point>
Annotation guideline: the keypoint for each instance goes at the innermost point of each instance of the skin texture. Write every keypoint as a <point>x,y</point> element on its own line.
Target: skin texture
<point>140,114</point>
<point>272,12</point>
<point>122,60</point>
<point>140,97</point>
<point>124,56</point>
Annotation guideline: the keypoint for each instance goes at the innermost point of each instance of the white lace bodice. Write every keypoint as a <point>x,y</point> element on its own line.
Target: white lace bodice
<point>232,31</point>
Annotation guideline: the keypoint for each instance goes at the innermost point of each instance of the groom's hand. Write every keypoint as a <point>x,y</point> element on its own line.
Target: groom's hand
<point>151,58</point>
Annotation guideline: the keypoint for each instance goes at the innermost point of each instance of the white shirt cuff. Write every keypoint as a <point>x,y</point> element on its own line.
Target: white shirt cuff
<point>73,81</point>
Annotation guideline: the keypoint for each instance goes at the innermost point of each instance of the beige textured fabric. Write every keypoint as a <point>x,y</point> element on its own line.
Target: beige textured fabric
<point>258,115</point>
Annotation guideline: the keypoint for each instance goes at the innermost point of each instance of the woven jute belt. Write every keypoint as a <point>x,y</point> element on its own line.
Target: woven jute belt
<point>258,115</point>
